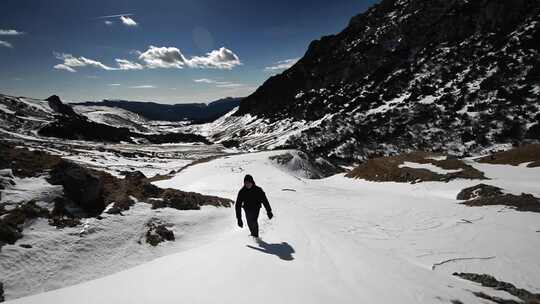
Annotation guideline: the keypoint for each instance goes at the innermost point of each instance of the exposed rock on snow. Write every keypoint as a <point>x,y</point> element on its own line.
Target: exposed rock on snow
<point>489,281</point>
<point>414,167</point>
<point>158,232</point>
<point>81,186</point>
<point>485,195</point>
<point>527,154</point>
<point>480,190</point>
<point>12,221</point>
<point>304,165</point>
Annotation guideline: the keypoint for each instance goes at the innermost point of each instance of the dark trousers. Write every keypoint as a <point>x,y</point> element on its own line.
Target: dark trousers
<point>251,217</point>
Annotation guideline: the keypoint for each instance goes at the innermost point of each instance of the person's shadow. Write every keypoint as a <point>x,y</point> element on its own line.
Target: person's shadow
<point>283,250</point>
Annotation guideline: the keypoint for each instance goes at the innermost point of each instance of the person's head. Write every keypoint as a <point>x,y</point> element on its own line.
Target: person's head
<point>248,181</point>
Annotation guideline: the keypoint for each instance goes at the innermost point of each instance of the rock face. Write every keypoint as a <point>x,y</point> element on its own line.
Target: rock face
<point>58,106</point>
<point>304,165</point>
<point>1,292</point>
<point>80,186</point>
<point>441,75</point>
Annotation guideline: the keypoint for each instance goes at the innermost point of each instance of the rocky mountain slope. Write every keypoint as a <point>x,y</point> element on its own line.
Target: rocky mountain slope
<point>24,117</point>
<point>453,76</point>
<point>197,112</point>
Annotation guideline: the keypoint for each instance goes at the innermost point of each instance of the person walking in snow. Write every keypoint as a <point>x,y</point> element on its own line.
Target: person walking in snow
<point>251,197</point>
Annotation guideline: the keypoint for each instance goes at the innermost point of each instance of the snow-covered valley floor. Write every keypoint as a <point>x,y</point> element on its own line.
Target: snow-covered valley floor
<point>334,240</point>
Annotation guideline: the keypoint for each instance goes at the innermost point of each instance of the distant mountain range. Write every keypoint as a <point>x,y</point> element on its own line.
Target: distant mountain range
<point>196,112</point>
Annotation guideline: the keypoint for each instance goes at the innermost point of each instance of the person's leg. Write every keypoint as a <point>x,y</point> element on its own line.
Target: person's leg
<point>251,218</point>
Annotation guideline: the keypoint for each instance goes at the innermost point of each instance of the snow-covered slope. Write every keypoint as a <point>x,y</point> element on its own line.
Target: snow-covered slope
<point>336,240</point>
<point>114,117</point>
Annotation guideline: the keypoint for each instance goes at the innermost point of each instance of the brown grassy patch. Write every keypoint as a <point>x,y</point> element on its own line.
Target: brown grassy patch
<point>524,154</point>
<point>386,169</point>
<point>25,163</point>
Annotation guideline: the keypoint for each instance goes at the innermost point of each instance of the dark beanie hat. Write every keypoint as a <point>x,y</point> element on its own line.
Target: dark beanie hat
<point>249,178</point>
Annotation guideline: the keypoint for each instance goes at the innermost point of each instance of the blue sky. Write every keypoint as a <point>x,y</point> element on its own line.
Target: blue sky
<point>162,51</point>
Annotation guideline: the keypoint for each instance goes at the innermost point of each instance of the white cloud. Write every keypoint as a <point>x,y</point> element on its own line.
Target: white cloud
<point>171,57</point>
<point>114,84</point>
<point>216,59</point>
<point>128,21</point>
<point>163,57</point>
<point>156,57</point>
<point>219,84</point>
<point>124,64</point>
<point>146,86</point>
<point>70,63</point>
<point>282,64</point>
<point>229,85</point>
<point>5,44</point>
<point>10,33</point>
<point>108,22</point>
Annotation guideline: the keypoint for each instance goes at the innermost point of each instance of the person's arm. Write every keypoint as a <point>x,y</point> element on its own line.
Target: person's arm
<point>238,205</point>
<point>266,205</point>
<point>238,208</point>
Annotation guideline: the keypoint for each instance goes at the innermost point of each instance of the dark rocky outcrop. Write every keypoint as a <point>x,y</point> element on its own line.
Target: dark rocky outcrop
<point>486,195</point>
<point>80,186</point>
<point>59,107</point>
<point>489,281</point>
<point>12,221</point>
<point>450,76</point>
<point>158,233</point>
<point>480,190</point>
<point>2,292</point>
<point>306,165</point>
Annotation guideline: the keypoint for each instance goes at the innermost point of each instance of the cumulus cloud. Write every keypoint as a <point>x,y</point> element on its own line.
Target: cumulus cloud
<point>124,64</point>
<point>156,57</point>
<point>70,63</point>
<point>282,65</point>
<point>5,44</point>
<point>171,57</point>
<point>128,21</point>
<point>163,57</point>
<point>10,33</point>
<point>216,59</point>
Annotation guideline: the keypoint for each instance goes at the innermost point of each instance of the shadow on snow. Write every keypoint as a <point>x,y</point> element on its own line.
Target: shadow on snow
<point>283,250</point>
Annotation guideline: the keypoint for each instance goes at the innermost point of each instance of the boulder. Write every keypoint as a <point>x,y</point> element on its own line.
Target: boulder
<point>81,185</point>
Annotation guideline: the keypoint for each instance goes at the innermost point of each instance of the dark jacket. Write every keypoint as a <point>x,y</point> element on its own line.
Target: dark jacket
<point>251,200</point>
